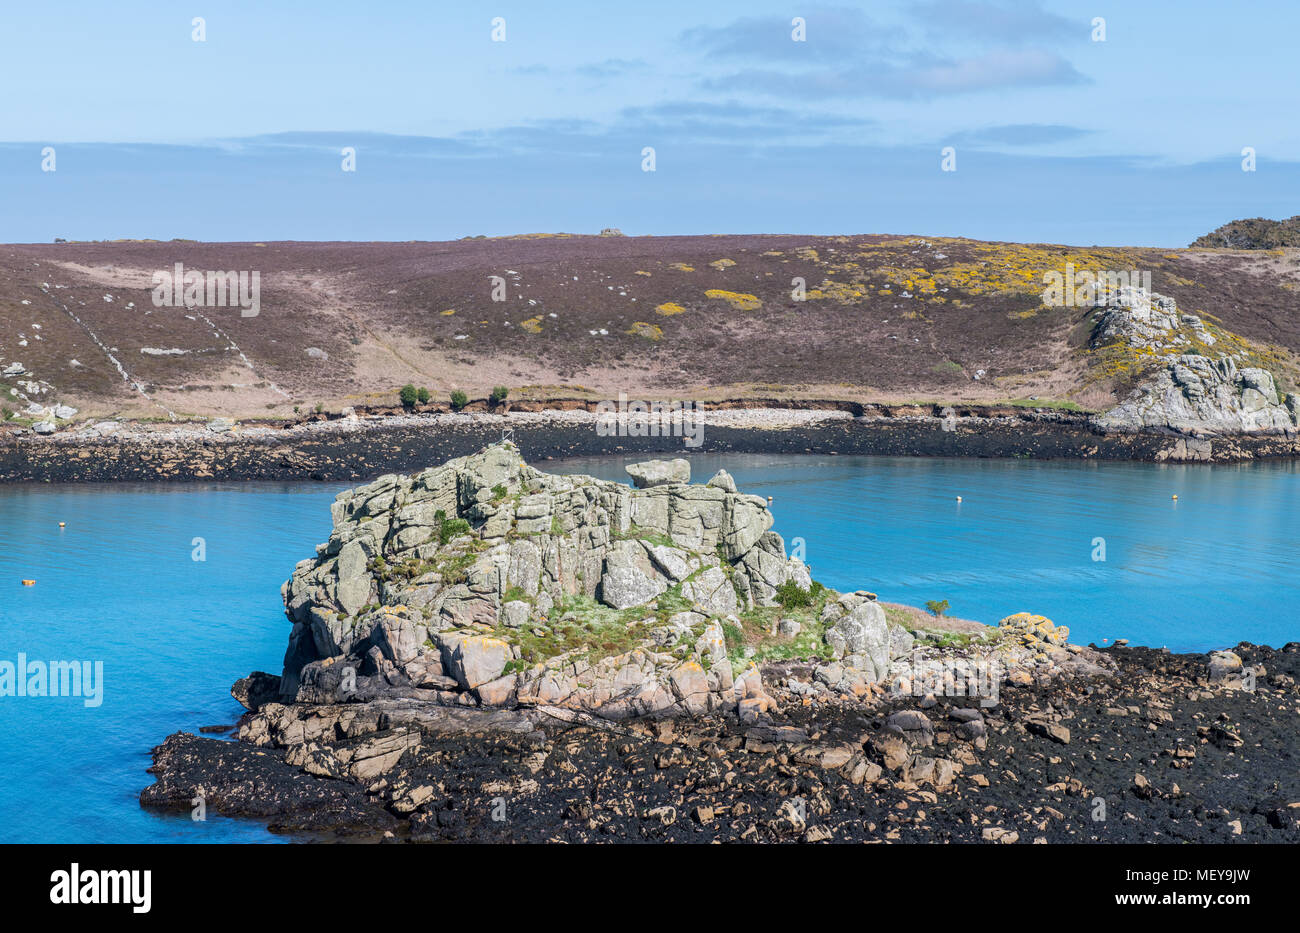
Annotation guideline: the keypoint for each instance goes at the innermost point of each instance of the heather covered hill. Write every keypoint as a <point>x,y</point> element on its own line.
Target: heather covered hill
<point>883,318</point>
<point>1254,233</point>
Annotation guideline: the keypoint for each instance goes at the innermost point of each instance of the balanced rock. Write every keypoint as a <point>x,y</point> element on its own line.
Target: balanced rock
<point>652,473</point>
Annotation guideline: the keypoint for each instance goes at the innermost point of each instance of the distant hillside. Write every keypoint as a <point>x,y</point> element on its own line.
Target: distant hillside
<point>1255,233</point>
<point>863,318</point>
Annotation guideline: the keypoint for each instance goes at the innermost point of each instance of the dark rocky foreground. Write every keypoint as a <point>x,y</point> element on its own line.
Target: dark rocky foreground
<point>374,448</point>
<point>1156,751</point>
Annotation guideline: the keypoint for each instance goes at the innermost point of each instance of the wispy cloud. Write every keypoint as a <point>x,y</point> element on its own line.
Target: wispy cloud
<point>599,71</point>
<point>612,68</point>
<point>917,78</point>
<point>733,119</point>
<point>1016,22</point>
<point>946,47</point>
<point>830,33</point>
<point>1021,134</point>
<point>999,69</point>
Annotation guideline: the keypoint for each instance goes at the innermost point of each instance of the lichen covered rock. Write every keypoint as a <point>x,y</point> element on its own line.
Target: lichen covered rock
<point>487,581</point>
<point>1034,631</point>
<point>1195,384</point>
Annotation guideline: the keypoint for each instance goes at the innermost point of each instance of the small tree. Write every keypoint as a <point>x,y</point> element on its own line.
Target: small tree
<point>937,607</point>
<point>499,395</point>
<point>408,395</point>
<point>423,395</point>
<point>459,400</point>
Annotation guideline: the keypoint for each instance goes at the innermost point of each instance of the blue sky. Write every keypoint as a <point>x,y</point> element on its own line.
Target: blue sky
<point>1134,140</point>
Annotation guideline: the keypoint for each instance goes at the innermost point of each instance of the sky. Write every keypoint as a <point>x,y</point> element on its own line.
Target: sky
<point>494,118</point>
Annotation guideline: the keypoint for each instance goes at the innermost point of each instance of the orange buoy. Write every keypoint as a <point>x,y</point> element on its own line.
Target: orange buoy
<point>29,583</point>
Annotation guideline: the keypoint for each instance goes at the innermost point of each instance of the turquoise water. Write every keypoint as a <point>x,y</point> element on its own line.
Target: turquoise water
<point>118,584</point>
<point>1215,567</point>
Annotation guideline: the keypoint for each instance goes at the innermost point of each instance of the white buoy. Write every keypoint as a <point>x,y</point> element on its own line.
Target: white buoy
<point>959,498</point>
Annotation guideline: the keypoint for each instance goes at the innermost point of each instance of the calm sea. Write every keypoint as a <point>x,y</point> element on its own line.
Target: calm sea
<point>120,585</point>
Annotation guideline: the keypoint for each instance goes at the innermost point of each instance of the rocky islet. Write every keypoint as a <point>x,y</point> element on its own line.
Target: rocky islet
<point>485,626</point>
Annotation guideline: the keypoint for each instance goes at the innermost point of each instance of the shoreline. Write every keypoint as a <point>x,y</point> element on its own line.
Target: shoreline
<point>1145,742</point>
<point>348,449</point>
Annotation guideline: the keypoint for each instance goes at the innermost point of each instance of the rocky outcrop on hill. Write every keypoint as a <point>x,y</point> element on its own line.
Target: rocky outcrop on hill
<point>1199,395</point>
<point>1198,382</point>
<point>1253,233</point>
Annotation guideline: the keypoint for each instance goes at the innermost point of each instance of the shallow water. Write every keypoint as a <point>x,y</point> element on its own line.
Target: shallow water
<point>1215,567</point>
<point>118,584</point>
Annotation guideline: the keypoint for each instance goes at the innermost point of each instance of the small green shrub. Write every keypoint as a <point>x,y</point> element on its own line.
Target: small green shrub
<point>422,395</point>
<point>499,394</point>
<point>937,607</point>
<point>449,528</point>
<point>459,400</point>
<point>792,596</point>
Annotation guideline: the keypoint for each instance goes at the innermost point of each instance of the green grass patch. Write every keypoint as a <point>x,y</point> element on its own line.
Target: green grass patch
<point>582,628</point>
<point>672,602</point>
<point>757,625</point>
<point>1054,404</point>
<point>449,528</point>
